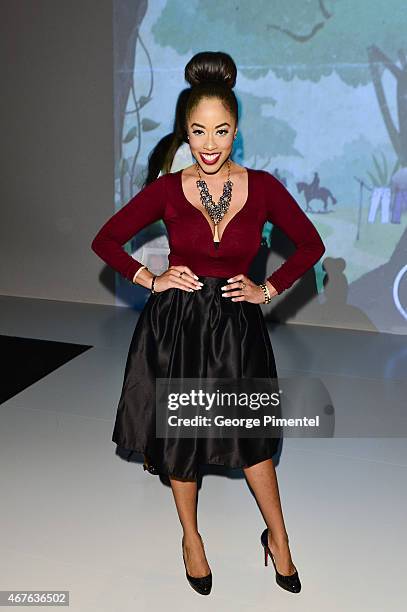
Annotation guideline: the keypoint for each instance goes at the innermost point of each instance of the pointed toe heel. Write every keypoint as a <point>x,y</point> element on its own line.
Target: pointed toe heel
<point>289,582</point>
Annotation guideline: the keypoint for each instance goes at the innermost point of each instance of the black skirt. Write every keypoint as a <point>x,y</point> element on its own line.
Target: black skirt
<point>192,334</point>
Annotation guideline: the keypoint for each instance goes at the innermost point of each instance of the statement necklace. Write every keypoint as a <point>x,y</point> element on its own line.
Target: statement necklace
<point>216,211</point>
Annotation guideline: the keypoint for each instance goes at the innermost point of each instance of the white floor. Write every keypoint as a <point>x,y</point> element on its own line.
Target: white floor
<point>76,516</point>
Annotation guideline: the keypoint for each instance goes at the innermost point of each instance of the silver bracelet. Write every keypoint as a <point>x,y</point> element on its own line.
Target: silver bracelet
<point>152,284</point>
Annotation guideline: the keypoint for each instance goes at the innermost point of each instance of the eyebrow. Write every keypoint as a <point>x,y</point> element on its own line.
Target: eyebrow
<point>216,126</point>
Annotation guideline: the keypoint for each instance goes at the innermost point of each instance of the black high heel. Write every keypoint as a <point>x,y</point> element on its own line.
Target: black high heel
<point>289,583</point>
<point>202,584</point>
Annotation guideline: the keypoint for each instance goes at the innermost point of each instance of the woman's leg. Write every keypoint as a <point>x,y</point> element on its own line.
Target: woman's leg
<point>262,479</point>
<point>185,495</point>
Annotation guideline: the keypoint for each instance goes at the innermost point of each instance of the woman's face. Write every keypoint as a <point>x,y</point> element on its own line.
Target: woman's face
<point>211,129</point>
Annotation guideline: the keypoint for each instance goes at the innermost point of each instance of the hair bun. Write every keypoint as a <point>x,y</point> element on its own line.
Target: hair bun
<point>211,66</point>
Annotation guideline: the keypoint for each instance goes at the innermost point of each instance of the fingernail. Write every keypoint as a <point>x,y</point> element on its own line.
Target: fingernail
<point>230,280</point>
<point>195,276</point>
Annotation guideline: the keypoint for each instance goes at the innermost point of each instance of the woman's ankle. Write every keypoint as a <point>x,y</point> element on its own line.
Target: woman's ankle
<point>191,536</point>
<point>278,540</point>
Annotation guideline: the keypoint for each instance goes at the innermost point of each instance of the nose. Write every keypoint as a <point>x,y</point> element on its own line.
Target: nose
<point>209,144</point>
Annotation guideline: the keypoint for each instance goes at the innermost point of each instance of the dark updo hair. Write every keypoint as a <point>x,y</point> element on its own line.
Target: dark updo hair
<point>211,74</point>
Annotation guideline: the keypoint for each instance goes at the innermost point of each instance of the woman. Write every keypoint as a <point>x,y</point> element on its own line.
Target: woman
<point>203,317</point>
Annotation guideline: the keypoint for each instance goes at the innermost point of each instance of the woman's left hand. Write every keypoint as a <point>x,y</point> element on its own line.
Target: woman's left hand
<point>241,289</point>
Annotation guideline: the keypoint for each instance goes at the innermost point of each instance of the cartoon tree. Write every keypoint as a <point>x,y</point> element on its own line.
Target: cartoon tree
<point>308,39</point>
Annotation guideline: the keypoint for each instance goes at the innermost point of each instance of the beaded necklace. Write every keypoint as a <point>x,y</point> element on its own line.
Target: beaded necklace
<point>216,211</point>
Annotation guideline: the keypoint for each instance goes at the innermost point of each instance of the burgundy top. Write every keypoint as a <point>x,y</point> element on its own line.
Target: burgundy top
<point>190,235</point>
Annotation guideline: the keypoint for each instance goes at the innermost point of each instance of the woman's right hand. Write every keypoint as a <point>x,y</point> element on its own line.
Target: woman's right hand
<point>171,279</point>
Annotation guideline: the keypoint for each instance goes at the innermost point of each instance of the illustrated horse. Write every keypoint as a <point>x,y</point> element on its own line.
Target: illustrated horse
<point>310,193</point>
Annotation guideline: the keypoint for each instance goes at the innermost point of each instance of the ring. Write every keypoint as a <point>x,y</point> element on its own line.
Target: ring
<point>243,285</point>
<point>181,273</point>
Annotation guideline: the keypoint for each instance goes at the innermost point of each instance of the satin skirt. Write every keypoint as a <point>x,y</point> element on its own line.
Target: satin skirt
<point>192,334</point>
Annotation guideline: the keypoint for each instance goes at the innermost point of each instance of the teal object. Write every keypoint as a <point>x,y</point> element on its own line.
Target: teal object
<point>266,233</point>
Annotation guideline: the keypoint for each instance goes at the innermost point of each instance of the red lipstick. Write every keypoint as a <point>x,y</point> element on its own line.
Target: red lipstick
<point>210,162</point>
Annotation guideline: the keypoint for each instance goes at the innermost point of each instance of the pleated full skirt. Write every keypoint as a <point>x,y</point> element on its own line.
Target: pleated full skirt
<point>195,334</point>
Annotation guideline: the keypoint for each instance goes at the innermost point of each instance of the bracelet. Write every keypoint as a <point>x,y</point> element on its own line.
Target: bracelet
<point>267,296</point>
<point>152,284</point>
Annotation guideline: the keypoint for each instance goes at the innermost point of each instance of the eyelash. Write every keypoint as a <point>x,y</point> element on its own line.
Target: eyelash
<point>222,130</point>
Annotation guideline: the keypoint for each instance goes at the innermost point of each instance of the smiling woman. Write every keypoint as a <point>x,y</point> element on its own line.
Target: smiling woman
<point>203,317</point>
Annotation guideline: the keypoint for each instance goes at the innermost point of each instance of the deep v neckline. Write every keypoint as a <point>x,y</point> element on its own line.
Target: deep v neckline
<point>208,225</point>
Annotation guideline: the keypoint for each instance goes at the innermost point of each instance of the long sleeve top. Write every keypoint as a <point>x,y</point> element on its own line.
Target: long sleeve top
<point>190,235</point>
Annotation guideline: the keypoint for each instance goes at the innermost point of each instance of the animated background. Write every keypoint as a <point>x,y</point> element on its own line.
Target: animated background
<point>322,90</point>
